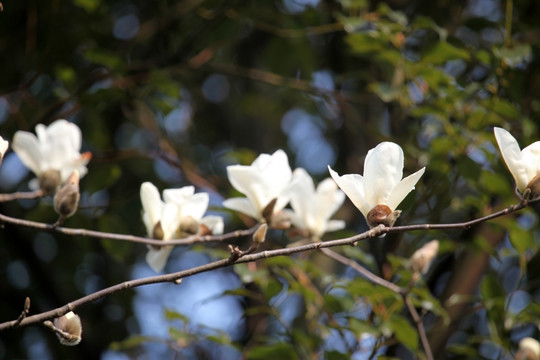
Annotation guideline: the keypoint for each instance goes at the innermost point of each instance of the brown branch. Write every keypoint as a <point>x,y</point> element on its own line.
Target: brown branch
<point>177,276</point>
<point>21,195</point>
<point>419,326</point>
<point>193,239</point>
<point>362,270</point>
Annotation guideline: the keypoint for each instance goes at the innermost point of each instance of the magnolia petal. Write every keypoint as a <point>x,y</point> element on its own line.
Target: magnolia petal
<point>214,223</point>
<point>249,182</point>
<point>383,169</point>
<point>275,169</point>
<point>178,196</point>
<point>158,258</point>
<point>3,147</point>
<point>329,199</point>
<point>26,146</point>
<point>353,186</point>
<point>152,204</point>
<point>170,220</point>
<point>334,225</point>
<point>301,191</point>
<point>67,132</point>
<point>295,218</point>
<point>242,205</point>
<point>404,187</point>
<point>512,156</point>
<point>531,160</point>
<point>195,206</point>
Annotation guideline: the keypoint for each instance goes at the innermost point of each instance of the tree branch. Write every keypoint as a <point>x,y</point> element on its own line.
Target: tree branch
<point>193,239</point>
<point>243,258</point>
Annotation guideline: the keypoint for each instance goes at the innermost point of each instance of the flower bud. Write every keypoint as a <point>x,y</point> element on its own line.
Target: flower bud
<point>70,329</point>
<point>382,214</point>
<point>529,349</point>
<point>260,234</point>
<point>67,197</point>
<point>532,191</point>
<point>422,258</point>
<point>49,181</point>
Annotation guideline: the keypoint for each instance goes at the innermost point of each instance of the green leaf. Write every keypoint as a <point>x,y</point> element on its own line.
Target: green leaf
<point>131,342</point>
<point>88,5</point>
<point>405,333</point>
<point>171,315</point>
<point>442,51</point>
<point>274,351</point>
<point>335,355</point>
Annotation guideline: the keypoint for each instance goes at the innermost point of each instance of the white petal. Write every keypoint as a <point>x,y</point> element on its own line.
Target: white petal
<point>295,218</point>
<point>242,205</point>
<point>383,169</point>
<point>158,258</point>
<point>512,156</point>
<point>250,183</point>
<point>334,225</point>
<point>195,206</point>
<point>170,220</point>
<point>301,192</point>
<point>353,186</point>
<point>27,148</point>
<point>276,170</point>
<point>214,223</point>
<point>3,147</point>
<point>531,160</point>
<point>152,204</point>
<point>404,187</point>
<point>178,196</point>
<point>328,199</point>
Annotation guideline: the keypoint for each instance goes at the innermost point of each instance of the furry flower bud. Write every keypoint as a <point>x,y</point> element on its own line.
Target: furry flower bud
<point>70,329</point>
<point>67,197</point>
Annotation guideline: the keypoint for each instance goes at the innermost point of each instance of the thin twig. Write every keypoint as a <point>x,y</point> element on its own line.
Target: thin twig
<point>362,270</point>
<point>24,312</point>
<point>21,195</point>
<point>175,277</point>
<point>420,326</point>
<point>121,237</point>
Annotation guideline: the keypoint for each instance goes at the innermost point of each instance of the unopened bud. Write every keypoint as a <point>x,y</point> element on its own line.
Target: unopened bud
<point>188,226</point>
<point>382,214</point>
<point>67,197</point>
<point>532,191</point>
<point>422,258</point>
<point>268,210</point>
<point>529,349</point>
<point>260,234</point>
<point>70,329</point>
<point>49,181</point>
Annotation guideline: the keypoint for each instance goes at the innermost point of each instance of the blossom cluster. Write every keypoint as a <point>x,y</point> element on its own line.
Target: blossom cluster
<point>269,185</point>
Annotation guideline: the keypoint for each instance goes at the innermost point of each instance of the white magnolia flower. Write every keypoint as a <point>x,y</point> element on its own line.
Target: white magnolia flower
<point>524,165</point>
<point>3,148</point>
<point>378,193</point>
<point>314,207</point>
<point>56,148</point>
<point>180,215</point>
<point>266,179</point>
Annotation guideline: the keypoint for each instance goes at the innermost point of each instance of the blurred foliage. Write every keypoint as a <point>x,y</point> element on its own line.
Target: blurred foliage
<point>174,91</point>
